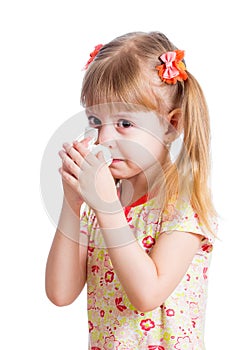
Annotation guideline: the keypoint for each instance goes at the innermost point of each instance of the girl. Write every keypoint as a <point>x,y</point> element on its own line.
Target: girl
<point>143,241</point>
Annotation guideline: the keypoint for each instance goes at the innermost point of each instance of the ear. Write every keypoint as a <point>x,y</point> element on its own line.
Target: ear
<point>174,125</point>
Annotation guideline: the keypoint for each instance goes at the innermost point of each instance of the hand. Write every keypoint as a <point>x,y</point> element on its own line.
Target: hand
<point>69,180</point>
<point>89,178</point>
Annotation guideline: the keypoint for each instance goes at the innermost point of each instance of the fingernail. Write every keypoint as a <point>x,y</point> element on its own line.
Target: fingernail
<point>66,145</point>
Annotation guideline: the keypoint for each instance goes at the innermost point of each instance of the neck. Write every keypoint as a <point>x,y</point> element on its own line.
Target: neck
<point>146,182</point>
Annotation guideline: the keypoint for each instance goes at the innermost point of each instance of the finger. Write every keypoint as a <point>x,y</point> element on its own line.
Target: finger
<point>81,147</point>
<point>73,153</point>
<point>85,153</point>
<point>84,142</point>
<point>68,178</point>
<point>69,165</point>
<point>60,153</point>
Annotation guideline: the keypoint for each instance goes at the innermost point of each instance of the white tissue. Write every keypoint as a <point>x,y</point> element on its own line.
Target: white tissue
<point>93,133</point>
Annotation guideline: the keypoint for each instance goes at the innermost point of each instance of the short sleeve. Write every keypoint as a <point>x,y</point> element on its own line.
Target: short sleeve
<point>180,216</point>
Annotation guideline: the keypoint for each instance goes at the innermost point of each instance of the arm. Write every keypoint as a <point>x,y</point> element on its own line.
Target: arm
<point>148,280</point>
<point>66,264</point>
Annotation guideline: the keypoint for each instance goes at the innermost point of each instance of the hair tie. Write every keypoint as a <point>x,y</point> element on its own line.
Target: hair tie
<point>93,54</point>
<point>172,69</point>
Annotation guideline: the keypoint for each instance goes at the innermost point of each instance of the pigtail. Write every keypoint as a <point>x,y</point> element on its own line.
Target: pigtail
<point>194,157</point>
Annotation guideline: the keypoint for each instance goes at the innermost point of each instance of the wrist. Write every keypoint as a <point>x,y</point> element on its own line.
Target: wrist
<point>69,222</point>
<point>108,209</point>
<point>71,209</point>
<point>115,229</point>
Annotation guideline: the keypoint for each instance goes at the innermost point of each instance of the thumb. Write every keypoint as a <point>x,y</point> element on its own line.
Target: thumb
<point>100,156</point>
<point>105,154</point>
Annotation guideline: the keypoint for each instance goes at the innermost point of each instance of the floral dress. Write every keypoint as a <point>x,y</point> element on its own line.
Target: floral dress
<point>114,323</point>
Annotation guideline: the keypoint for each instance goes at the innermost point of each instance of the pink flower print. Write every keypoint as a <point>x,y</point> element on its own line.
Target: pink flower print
<point>90,250</point>
<point>91,300</point>
<point>91,327</point>
<point>148,241</point>
<point>95,269</point>
<point>194,310</point>
<point>95,348</point>
<point>120,306</point>
<point>207,247</point>
<point>171,213</point>
<point>170,312</point>
<point>109,276</point>
<point>183,343</point>
<point>147,324</point>
<point>102,313</point>
<point>107,263</point>
<point>155,347</point>
<point>111,343</point>
<point>205,273</point>
<point>129,219</point>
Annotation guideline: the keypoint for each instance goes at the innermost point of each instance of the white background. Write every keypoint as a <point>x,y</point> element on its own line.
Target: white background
<point>44,45</point>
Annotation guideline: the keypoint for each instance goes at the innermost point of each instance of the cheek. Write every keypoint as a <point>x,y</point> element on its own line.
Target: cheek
<point>143,154</point>
<point>157,149</point>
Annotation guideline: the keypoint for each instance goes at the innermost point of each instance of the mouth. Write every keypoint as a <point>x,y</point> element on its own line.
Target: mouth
<point>115,160</point>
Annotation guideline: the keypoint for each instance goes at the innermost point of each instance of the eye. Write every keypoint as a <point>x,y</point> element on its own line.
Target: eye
<point>123,123</point>
<point>94,122</point>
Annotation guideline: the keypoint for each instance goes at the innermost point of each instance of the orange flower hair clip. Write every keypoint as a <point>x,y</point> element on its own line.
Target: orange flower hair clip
<point>93,54</point>
<point>173,69</point>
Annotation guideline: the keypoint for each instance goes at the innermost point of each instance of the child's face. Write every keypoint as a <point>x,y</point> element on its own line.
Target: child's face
<point>134,138</point>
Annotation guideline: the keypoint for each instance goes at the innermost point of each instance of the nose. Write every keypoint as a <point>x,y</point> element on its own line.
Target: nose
<point>107,135</point>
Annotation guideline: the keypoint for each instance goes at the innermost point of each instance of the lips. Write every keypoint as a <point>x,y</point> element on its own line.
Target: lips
<point>117,161</point>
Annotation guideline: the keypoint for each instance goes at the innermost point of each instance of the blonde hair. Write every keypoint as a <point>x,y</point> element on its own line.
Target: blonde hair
<point>124,71</point>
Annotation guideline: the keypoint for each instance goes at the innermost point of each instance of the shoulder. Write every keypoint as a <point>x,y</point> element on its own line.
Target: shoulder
<point>179,215</point>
